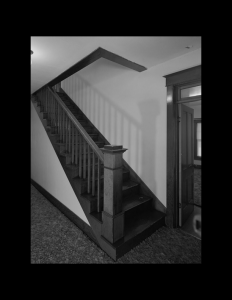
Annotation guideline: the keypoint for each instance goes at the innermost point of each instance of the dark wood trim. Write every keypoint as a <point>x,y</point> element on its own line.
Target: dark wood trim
<point>172,159</point>
<point>89,59</point>
<point>122,61</point>
<point>184,76</point>
<point>173,83</point>
<point>66,211</point>
<point>195,139</point>
<point>190,99</point>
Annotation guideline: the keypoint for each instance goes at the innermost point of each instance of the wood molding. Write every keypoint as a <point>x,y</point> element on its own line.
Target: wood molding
<point>66,211</point>
<point>184,76</point>
<point>89,59</point>
<point>121,61</point>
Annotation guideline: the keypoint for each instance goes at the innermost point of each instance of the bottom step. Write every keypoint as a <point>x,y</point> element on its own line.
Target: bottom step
<point>136,231</point>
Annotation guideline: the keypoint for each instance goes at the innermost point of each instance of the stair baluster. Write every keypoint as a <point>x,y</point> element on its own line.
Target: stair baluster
<point>89,175</point>
<point>84,160</point>
<point>66,133</point>
<point>55,106</point>
<point>76,157</point>
<point>93,176</point>
<point>99,202</point>
<point>59,128</point>
<point>72,126</point>
<point>80,156</point>
<point>69,131</point>
<point>51,111</point>
<point>46,101</point>
<point>63,126</point>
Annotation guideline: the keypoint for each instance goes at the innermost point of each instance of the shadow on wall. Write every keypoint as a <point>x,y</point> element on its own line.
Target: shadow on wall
<point>149,111</point>
<point>119,127</point>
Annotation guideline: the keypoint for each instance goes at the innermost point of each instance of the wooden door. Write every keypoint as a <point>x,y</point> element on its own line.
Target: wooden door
<point>186,163</point>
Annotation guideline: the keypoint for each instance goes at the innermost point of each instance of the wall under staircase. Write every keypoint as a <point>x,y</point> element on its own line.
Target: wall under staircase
<point>46,169</point>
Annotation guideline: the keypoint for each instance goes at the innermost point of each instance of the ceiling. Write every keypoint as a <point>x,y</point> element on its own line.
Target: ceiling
<point>54,55</point>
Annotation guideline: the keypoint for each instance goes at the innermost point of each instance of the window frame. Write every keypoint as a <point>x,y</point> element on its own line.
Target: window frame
<point>185,86</point>
<point>196,121</point>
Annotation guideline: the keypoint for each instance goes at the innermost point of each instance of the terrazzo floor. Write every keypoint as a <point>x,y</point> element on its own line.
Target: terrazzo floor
<point>56,240</point>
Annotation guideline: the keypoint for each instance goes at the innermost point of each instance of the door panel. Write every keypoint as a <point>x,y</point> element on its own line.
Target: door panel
<point>186,163</point>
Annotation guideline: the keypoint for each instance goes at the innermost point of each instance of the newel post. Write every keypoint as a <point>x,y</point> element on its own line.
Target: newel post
<point>112,215</point>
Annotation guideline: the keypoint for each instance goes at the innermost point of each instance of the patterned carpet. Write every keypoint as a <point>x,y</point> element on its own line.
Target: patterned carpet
<point>56,240</point>
<point>197,186</point>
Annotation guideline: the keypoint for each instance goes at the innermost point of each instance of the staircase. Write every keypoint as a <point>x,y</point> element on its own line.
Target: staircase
<point>117,226</point>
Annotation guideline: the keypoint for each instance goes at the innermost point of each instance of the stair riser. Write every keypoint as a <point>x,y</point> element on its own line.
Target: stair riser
<point>130,191</point>
<point>139,238</point>
<point>125,176</point>
<point>45,115</point>
<point>66,160</point>
<point>134,212</point>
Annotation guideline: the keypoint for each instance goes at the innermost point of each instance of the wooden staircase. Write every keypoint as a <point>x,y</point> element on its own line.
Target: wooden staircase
<point>135,218</point>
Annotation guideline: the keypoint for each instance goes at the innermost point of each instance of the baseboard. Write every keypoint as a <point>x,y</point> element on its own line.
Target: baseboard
<point>66,211</point>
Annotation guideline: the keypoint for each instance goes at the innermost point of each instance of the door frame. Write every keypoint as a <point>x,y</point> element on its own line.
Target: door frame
<point>174,82</point>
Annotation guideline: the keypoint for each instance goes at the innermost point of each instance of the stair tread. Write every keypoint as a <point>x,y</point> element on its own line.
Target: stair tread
<point>134,200</point>
<point>129,184</point>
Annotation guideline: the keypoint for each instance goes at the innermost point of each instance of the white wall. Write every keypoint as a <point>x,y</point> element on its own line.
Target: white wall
<point>46,169</point>
<point>129,108</point>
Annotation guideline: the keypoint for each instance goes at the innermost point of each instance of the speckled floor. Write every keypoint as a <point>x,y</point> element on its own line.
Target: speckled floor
<point>56,240</point>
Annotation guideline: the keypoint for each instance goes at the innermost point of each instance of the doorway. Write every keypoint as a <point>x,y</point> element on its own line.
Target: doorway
<point>189,116</point>
<point>182,87</point>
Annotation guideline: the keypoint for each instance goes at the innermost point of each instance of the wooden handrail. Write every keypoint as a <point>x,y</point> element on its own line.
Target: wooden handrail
<point>78,126</point>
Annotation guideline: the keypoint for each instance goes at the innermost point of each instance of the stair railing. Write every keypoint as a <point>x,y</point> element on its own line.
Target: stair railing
<point>85,154</point>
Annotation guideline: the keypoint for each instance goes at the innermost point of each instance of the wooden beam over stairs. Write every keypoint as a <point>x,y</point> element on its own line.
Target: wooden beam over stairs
<point>89,59</point>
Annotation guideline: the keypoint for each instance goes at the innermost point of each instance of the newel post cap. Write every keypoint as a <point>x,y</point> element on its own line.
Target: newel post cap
<point>113,149</point>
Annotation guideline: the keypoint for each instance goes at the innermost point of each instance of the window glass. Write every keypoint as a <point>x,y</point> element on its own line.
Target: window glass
<point>191,92</point>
